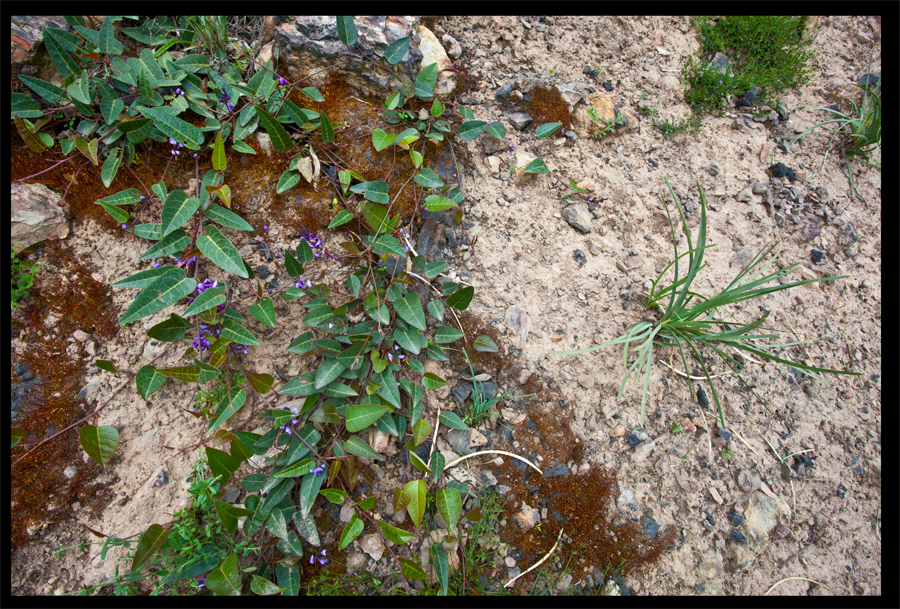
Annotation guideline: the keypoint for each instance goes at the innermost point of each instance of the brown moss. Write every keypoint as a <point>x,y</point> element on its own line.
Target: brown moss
<point>40,491</point>
<point>548,106</point>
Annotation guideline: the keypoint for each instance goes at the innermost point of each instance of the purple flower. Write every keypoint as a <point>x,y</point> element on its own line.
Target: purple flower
<point>157,265</point>
<point>125,226</point>
<point>321,558</point>
<point>201,343</point>
<point>242,348</point>
<point>282,80</point>
<point>265,227</point>
<point>172,142</point>
<point>229,106</point>
<point>195,155</point>
<point>143,197</point>
<point>318,470</point>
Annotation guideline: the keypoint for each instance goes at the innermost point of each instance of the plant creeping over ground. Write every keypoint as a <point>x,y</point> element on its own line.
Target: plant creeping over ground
<point>691,321</point>
<point>368,335</point>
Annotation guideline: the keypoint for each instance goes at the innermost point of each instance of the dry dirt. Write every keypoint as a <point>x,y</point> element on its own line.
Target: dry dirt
<point>525,257</point>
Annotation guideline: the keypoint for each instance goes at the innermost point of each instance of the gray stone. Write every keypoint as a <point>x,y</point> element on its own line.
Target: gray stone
<point>761,515</point>
<point>519,120</point>
<point>743,258</point>
<point>89,391</point>
<point>454,50</point>
<point>749,480</point>
<point>579,217</point>
<point>586,381</point>
<point>153,349</point>
<point>35,215</point>
<point>556,471</point>
<point>758,188</point>
<point>347,512</point>
<point>373,546</point>
<point>643,451</point>
<point>503,92</point>
<point>626,500</point>
<point>564,582</point>
<point>745,196</point>
<point>458,440</point>
<point>69,472</point>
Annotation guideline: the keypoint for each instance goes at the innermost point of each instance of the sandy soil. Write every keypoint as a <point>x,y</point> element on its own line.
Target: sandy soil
<point>526,257</point>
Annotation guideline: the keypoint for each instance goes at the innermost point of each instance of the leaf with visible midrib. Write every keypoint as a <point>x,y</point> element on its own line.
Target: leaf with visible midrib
<point>177,210</point>
<point>174,127</point>
<point>280,138</point>
<point>99,442</point>
<point>151,541</point>
<point>221,252</point>
<point>409,308</point>
<point>165,291</point>
<point>346,30</point>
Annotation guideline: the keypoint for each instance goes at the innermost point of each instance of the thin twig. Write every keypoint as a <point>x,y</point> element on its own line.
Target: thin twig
<point>790,578</point>
<point>538,563</point>
<point>489,452</point>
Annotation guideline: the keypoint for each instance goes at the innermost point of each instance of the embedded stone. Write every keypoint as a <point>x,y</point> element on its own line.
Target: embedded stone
<point>35,215</point>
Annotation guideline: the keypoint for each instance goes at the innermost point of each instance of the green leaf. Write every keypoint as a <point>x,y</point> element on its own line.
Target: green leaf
<point>484,343</point>
<point>326,129</point>
<point>449,505</point>
<point>416,158</point>
<point>264,311</point>
<point>497,130</point>
<point>108,45</point>
<point>22,106</point>
<point>313,94</point>
<point>263,587</point>
<point>261,383</point>
<point>210,298</point>
<point>309,490</point>
<point>48,91</point>
<point>99,442</point>
<point>221,252</point>
<point>410,340</point>
<point>469,130</point>
<point>88,149</point>
<point>360,416</point>
<point>174,242</point>
<point>451,419</point>
<point>395,535</point>
<point>170,330</point>
<point>287,180</point>
<point>173,127</point>
<point>388,389</point>
<point>290,544</point>
<point>418,463</point>
<point>17,436</point>
<point>411,570</point>
<point>307,527</point>
<point>188,374</point>
<point>148,381</point>
<point>382,140</point>
<point>447,334</point>
<point>317,317</point>
<point>334,495</point>
<point>329,370</point>
<point>177,210</point>
<point>226,579</point>
<point>301,468</point>
<point>432,381</point>
<point>421,431</point>
<point>165,291</point>
<point>280,138</point>
<point>229,405</point>
<point>423,91</point>
<point>461,298</point>
<point>417,489</point>
<point>441,565</point>
<point>226,218</point>
<point>351,531</point>
<point>229,515</point>
<point>360,448</point>
<point>118,214</point>
<point>346,30</point>
<point>111,108</point>
<point>409,308</point>
<point>342,217</point>
<point>219,162</point>
<point>546,129</point>
<point>221,464</point>
<point>437,464</point>
<point>64,63</point>
<point>536,166</point>
<point>151,541</point>
<point>428,178</point>
<point>438,203</point>
<point>242,147</point>
<point>436,309</point>
<point>288,579</point>
<point>192,63</point>
<point>396,50</point>
<point>234,331</point>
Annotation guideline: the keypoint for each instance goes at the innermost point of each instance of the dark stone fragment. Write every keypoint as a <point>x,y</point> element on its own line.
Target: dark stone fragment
<point>868,79</point>
<point>749,97</point>
<point>738,536</point>
<point>841,491</point>
<point>556,471</point>
<point>607,85</point>
<point>273,284</point>
<point>633,440</point>
<point>531,425</point>
<point>486,390</point>
<point>701,397</point>
<point>783,114</point>
<point>51,430</point>
<point>161,479</point>
<point>517,554</point>
<point>783,147</point>
<point>725,435</point>
<point>816,256</point>
<point>462,391</point>
<point>451,238</point>
<point>710,520</point>
<point>580,258</point>
<point>392,265</point>
<point>504,91</point>
<point>779,170</point>
<point>443,216</point>
<point>422,450</point>
<point>650,528</point>
<point>492,145</point>
<point>735,518</point>
<point>652,162</point>
<point>263,271</point>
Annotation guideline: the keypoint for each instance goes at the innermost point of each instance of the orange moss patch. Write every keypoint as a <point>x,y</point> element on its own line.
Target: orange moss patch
<point>548,106</point>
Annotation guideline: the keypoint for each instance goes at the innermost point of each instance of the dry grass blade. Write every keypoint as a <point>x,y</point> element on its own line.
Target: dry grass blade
<point>778,583</point>
<point>538,563</point>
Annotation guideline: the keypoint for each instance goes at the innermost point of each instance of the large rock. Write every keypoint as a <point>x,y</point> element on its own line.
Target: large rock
<point>579,217</point>
<point>27,42</point>
<point>36,215</point>
<point>761,517</point>
<point>433,52</point>
<point>313,46</point>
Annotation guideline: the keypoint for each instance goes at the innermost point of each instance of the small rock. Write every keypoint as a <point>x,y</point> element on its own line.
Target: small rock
<point>519,120</point>
<point>643,451</point>
<point>510,561</point>
<point>70,471</point>
<point>556,471</point>
<point>617,432</point>
<point>758,188</point>
<point>373,546</point>
<point>161,479</point>
<point>80,336</point>
<point>356,560</point>
<point>745,196</point>
<point>493,164</point>
<point>476,439</point>
<point>626,500</point>
<point>749,480</point>
<point>489,478</point>
<point>579,217</point>
<point>528,517</point>
<point>607,85</point>
<point>715,495</point>
<point>586,381</point>
<point>458,440</point>
<point>634,261</point>
<point>651,528</point>
<point>564,582</point>
<point>347,512</point>
<point>714,169</point>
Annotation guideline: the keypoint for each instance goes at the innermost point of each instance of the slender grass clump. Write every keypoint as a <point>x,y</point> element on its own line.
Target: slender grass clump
<point>691,320</point>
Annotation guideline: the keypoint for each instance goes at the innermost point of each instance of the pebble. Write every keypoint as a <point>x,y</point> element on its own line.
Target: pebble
<point>643,451</point>
<point>626,500</point>
<point>715,495</point>
<point>476,439</point>
<point>556,471</point>
<point>586,381</point>
<point>519,120</point>
<point>617,432</point>
<point>69,472</point>
<point>749,480</point>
